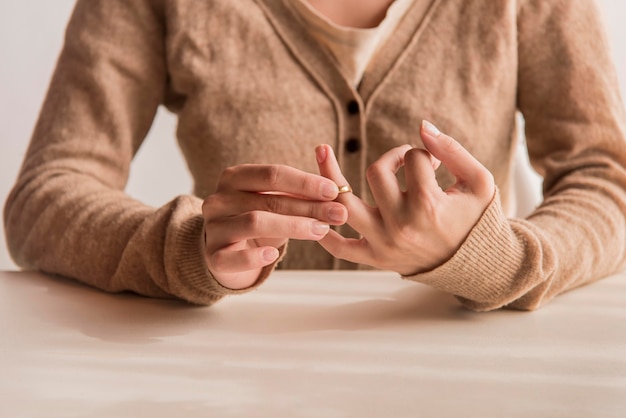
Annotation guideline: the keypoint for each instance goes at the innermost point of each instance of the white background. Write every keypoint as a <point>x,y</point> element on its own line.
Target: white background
<point>31,35</point>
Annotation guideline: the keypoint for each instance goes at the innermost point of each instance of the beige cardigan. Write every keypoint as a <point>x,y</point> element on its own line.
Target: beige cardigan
<point>249,84</point>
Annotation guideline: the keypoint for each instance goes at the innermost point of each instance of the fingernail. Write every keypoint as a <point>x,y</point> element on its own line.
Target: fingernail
<point>320,154</point>
<point>430,129</point>
<point>270,254</point>
<point>330,190</point>
<point>336,214</point>
<point>320,228</point>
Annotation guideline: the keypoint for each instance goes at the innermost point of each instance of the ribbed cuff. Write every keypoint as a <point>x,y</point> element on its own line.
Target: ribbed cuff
<point>194,281</point>
<point>198,284</point>
<point>482,269</point>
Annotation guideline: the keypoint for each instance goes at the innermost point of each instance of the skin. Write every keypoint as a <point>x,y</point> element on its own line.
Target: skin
<point>255,210</point>
<point>353,13</point>
<point>418,229</point>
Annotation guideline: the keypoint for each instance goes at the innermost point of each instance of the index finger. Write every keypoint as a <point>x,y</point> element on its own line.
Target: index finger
<point>459,161</point>
<point>361,217</point>
<point>277,178</point>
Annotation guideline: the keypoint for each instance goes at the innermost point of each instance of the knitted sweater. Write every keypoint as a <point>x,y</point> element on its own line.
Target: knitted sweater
<point>249,84</point>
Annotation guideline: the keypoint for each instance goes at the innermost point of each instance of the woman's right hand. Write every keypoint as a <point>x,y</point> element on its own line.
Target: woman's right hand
<point>255,210</point>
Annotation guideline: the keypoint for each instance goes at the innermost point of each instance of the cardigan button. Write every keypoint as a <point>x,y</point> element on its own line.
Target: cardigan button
<point>353,145</point>
<point>353,107</point>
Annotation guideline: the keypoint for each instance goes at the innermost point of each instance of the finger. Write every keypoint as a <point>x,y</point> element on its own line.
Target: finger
<point>420,175</point>
<point>381,177</point>
<point>232,204</point>
<point>360,216</point>
<point>350,249</point>
<point>278,178</point>
<point>260,224</point>
<point>468,171</point>
<point>227,260</point>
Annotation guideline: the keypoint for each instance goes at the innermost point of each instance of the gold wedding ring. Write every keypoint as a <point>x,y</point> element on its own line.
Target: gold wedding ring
<point>345,189</point>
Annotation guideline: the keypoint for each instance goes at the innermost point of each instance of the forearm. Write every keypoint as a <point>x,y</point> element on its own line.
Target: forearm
<point>65,223</point>
<point>67,213</point>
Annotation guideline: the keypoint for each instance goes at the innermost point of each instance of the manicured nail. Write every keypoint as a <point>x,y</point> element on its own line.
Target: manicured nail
<point>336,214</point>
<point>330,190</point>
<point>320,228</point>
<point>320,154</point>
<point>270,254</point>
<point>430,129</point>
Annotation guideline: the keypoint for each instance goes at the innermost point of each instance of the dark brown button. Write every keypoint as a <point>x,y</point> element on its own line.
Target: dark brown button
<point>353,107</point>
<point>353,145</point>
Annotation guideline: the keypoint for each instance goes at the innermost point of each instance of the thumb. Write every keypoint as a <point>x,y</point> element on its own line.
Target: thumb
<point>469,172</point>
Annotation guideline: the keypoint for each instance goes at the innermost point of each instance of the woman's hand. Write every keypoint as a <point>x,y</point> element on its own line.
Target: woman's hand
<point>255,210</point>
<point>418,229</point>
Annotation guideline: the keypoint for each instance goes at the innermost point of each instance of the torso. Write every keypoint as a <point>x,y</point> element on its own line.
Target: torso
<point>353,13</point>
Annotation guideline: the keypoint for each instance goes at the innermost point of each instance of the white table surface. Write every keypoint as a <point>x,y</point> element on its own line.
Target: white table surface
<point>308,344</point>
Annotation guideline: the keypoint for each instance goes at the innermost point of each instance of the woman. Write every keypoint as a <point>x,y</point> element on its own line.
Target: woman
<point>258,84</point>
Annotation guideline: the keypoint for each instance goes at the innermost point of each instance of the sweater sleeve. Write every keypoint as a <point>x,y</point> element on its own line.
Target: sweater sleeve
<point>67,213</point>
<point>576,136</point>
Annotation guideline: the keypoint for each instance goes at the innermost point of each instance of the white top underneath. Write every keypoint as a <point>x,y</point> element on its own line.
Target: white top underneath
<point>352,48</point>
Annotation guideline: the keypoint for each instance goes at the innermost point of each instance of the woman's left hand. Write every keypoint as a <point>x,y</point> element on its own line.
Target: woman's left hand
<point>418,229</point>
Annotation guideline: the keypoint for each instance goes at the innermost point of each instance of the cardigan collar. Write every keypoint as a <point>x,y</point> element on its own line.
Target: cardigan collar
<point>320,64</point>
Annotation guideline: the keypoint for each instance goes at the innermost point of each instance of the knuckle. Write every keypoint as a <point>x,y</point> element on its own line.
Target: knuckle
<point>416,156</point>
<point>209,205</point>
<point>227,174</point>
<point>374,172</point>
<point>411,156</point>
<point>312,211</point>
<point>272,175</point>
<point>320,211</point>
<point>307,185</point>
<point>298,228</point>
<point>206,207</point>
<point>273,203</point>
<point>252,221</point>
